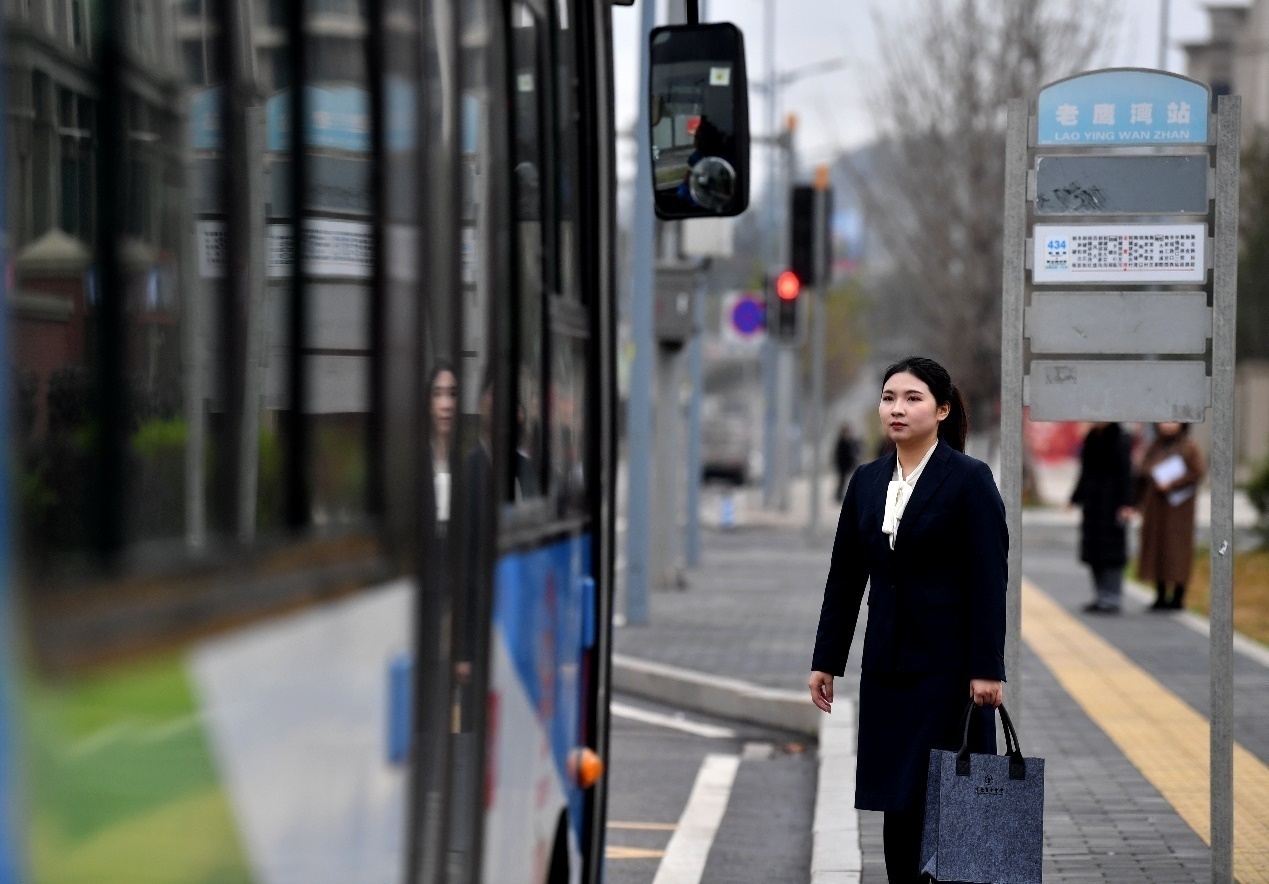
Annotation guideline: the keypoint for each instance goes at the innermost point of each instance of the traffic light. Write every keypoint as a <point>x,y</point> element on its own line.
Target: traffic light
<point>783,310</point>
<point>802,234</point>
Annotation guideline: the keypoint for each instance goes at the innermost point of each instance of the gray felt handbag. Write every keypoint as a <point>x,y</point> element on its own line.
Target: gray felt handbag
<point>984,814</point>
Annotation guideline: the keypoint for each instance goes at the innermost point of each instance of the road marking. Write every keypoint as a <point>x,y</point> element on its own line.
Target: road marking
<point>685,855</point>
<point>613,852</point>
<point>1160,734</point>
<point>758,751</point>
<point>644,827</point>
<point>132,732</point>
<point>99,739</point>
<point>696,728</point>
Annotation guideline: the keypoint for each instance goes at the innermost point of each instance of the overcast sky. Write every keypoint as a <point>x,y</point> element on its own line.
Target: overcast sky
<point>831,107</point>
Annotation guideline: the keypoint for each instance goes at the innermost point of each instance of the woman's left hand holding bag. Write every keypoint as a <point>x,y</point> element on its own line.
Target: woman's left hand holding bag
<point>986,692</point>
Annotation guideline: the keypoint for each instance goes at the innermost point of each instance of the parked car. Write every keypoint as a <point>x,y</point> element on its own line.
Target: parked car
<point>727,449</point>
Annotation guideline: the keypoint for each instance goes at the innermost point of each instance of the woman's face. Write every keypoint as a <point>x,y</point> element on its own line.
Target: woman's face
<point>1169,429</point>
<point>908,410</point>
<point>444,402</point>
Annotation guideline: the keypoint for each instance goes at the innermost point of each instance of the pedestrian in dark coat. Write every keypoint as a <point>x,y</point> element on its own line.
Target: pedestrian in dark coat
<point>1105,495</point>
<point>1171,469</point>
<point>845,456</point>
<point>926,525</point>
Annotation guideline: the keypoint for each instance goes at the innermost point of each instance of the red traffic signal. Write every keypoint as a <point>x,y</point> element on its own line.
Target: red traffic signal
<point>788,285</point>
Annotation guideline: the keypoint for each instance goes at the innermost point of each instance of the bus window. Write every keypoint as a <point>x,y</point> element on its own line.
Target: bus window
<point>338,265</point>
<point>528,98</point>
<point>568,172</point>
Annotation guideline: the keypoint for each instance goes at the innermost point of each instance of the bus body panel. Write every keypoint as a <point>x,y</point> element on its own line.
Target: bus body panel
<point>297,713</point>
<point>536,708</point>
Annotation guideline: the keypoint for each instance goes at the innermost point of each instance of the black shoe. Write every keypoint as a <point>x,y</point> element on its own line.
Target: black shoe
<point>1160,604</point>
<point>1099,608</point>
<point>1176,604</point>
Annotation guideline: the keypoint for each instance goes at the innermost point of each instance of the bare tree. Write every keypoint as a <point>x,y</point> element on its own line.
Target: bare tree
<point>935,196</point>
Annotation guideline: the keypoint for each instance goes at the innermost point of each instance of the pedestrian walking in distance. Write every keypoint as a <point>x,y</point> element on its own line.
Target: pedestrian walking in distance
<point>1171,469</point>
<point>1105,496</point>
<point>926,525</point>
<point>845,456</point>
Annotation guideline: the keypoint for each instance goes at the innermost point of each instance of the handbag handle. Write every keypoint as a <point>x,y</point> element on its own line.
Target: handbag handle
<point>1017,764</point>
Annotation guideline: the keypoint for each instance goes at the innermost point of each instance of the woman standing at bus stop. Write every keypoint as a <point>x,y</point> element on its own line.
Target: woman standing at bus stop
<point>927,526</point>
<point>1171,468</point>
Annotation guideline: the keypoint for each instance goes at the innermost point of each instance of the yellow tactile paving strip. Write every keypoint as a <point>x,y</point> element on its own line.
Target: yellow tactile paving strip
<point>1160,734</point>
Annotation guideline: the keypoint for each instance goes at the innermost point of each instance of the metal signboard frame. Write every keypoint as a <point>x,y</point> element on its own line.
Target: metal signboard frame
<point>1122,351</point>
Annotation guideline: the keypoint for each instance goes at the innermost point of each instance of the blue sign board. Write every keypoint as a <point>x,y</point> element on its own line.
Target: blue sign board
<point>402,113</point>
<point>1123,106</point>
<point>749,316</point>
<point>204,119</point>
<point>337,117</point>
<point>471,123</point>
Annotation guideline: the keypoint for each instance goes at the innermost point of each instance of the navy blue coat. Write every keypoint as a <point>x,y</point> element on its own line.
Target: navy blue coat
<point>936,617</point>
<point>937,602</point>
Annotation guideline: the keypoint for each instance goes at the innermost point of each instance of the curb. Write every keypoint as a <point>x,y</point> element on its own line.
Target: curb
<point>836,856</point>
<point>716,695</point>
<point>1248,647</point>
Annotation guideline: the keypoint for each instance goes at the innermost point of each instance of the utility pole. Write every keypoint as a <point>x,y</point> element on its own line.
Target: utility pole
<point>1164,9</point>
<point>696,371</point>
<point>639,404</point>
<point>819,323</point>
<point>770,352</point>
<point>786,386</point>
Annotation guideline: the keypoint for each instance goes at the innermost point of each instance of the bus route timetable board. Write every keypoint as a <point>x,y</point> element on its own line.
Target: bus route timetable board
<point>1171,253</point>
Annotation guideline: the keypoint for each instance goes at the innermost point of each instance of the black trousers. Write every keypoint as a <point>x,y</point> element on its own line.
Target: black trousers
<point>901,833</point>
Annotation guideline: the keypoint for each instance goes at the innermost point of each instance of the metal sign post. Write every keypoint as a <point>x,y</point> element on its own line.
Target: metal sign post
<point>1221,608</point>
<point>1111,192</point>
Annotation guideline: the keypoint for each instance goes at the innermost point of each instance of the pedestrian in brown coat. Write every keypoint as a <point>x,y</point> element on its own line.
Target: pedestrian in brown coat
<point>1171,471</point>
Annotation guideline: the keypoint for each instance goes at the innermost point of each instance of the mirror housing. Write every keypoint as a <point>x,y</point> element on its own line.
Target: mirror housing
<point>698,113</point>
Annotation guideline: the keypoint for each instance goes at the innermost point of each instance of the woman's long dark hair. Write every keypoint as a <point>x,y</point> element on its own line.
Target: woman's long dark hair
<point>955,427</point>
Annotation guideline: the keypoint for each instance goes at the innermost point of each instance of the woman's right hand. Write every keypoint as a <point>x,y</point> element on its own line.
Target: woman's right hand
<point>821,685</point>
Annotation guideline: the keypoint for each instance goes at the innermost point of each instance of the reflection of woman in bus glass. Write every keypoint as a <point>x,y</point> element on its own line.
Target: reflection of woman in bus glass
<point>443,403</point>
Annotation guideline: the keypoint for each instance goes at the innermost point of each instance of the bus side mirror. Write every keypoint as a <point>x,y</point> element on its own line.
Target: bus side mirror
<point>698,110</point>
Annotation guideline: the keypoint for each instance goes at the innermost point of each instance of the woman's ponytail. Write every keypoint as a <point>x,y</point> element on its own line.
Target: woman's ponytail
<point>955,427</point>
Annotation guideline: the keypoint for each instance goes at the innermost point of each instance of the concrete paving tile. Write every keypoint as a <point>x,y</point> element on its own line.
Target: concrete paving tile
<point>750,613</point>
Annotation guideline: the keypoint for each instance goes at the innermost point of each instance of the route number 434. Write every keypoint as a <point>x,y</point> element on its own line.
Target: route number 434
<point>1056,244</point>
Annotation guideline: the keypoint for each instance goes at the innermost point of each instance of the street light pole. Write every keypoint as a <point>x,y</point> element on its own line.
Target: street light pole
<point>819,320</point>
<point>769,349</point>
<point>639,404</point>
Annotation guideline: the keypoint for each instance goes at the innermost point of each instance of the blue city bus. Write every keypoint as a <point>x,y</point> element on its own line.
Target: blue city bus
<point>308,527</point>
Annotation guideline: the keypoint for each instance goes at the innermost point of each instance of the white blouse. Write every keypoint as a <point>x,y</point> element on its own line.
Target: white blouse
<point>440,486</point>
<point>899,491</point>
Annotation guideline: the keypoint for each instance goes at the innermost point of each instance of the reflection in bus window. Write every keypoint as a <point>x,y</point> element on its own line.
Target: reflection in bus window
<point>567,165</point>
<point>443,404</point>
<point>338,264</point>
<point>568,421</point>
<point>527,188</point>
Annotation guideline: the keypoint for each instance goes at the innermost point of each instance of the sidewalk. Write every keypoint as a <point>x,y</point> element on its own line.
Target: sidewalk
<point>749,614</point>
